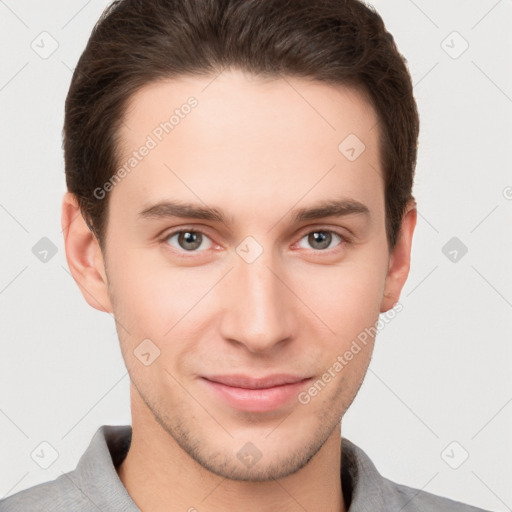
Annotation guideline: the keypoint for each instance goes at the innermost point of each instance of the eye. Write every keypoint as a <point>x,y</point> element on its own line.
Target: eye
<point>188,240</point>
<point>321,239</point>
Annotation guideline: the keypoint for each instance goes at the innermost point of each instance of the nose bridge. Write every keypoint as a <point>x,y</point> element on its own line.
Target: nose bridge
<point>259,309</point>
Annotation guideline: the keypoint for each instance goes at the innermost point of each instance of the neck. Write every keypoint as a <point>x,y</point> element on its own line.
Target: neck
<point>161,477</point>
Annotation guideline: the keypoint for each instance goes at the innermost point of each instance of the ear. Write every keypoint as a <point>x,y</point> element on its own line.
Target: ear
<point>84,257</point>
<point>400,259</point>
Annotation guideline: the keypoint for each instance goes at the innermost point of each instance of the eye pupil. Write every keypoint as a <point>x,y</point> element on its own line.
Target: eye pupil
<point>189,240</point>
<point>323,237</point>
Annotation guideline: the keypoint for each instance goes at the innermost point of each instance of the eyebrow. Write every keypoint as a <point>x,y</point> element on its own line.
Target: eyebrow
<point>327,208</point>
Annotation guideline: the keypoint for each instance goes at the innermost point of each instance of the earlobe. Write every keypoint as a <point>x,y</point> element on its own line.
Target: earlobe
<point>84,256</point>
<point>400,259</point>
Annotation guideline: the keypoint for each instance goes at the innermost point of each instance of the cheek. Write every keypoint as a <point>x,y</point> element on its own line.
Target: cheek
<point>346,297</point>
<point>150,295</point>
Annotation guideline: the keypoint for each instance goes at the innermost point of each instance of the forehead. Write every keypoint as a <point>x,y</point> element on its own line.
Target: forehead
<point>236,102</point>
<point>240,139</point>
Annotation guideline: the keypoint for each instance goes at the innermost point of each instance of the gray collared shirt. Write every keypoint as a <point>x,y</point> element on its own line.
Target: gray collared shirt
<point>94,486</point>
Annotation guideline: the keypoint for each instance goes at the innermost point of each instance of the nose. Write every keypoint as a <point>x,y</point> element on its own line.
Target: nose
<point>260,311</point>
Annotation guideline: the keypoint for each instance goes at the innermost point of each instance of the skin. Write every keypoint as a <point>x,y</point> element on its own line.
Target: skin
<point>257,150</point>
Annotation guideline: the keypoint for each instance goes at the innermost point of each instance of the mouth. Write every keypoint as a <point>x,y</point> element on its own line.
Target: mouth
<point>255,394</point>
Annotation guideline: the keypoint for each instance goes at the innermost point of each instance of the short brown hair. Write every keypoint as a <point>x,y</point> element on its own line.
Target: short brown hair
<point>136,42</point>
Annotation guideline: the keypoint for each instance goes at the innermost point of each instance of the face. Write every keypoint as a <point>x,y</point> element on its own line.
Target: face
<point>246,251</point>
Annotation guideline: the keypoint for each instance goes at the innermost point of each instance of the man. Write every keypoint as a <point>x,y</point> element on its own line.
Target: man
<point>239,197</point>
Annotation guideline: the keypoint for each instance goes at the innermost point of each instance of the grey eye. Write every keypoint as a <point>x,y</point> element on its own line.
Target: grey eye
<point>188,240</point>
<point>321,239</point>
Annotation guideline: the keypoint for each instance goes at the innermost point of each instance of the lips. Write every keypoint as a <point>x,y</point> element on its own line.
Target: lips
<point>253,394</point>
<point>241,381</point>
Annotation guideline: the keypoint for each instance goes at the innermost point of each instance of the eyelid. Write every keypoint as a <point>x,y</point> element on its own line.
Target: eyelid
<point>342,233</point>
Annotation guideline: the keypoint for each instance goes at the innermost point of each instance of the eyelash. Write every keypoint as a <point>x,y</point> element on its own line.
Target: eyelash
<point>344,240</point>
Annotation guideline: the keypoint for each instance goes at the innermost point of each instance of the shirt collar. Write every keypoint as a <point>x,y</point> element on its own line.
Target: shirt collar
<point>96,475</point>
<point>364,489</point>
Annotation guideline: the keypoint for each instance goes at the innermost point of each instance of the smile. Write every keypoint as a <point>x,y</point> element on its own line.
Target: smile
<point>255,395</point>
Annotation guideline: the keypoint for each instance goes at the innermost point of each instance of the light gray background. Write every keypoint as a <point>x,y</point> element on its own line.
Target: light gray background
<point>440,371</point>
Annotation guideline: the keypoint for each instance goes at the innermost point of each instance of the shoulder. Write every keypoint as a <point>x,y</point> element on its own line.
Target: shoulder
<point>409,499</point>
<point>57,496</point>
<point>92,486</point>
<point>369,490</point>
